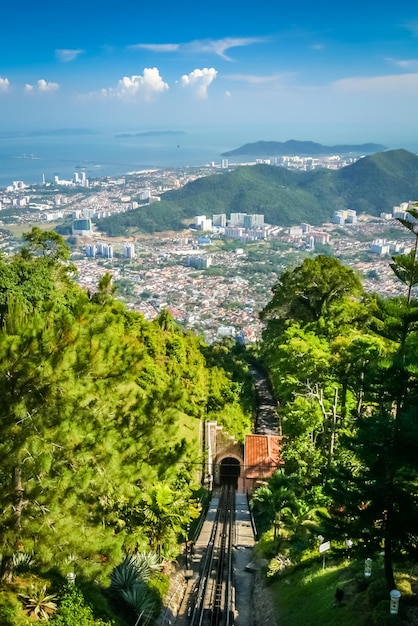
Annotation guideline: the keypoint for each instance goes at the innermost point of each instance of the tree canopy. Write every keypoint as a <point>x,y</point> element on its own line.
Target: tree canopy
<point>94,404</point>
<point>344,367</point>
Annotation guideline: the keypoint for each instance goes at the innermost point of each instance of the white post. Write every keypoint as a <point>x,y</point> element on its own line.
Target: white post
<point>368,567</point>
<point>394,601</point>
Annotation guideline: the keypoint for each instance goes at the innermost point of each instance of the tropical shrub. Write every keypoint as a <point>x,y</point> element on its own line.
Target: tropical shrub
<point>39,604</point>
<point>129,581</point>
<point>73,610</point>
<point>10,607</point>
<point>22,562</point>
<point>382,617</point>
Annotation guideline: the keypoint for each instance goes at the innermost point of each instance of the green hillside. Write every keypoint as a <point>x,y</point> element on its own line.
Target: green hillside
<point>300,148</point>
<point>380,181</point>
<point>371,185</point>
<point>100,413</point>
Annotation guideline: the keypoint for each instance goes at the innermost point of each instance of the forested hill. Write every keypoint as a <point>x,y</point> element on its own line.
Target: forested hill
<point>373,184</point>
<point>100,413</point>
<point>347,381</point>
<point>300,148</point>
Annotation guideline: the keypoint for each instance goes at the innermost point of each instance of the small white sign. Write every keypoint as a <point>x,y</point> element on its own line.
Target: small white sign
<point>324,547</point>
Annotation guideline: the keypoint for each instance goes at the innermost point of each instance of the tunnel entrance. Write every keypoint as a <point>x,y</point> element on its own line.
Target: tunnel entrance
<point>229,471</point>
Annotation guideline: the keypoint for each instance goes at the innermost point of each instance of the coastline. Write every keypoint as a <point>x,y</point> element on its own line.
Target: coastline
<point>32,157</point>
<point>29,159</point>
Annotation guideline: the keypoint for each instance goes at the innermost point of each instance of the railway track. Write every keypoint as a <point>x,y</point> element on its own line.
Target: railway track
<point>266,422</point>
<point>213,602</point>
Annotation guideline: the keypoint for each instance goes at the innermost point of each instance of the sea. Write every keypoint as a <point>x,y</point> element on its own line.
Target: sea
<point>38,158</point>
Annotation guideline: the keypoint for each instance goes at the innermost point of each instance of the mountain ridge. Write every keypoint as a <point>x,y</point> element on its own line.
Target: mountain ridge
<point>293,147</point>
<point>374,184</point>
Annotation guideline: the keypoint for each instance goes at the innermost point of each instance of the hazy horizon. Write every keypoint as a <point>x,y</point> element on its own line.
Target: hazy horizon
<point>236,135</point>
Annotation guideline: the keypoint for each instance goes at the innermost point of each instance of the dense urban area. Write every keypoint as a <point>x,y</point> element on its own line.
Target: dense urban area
<point>216,275</point>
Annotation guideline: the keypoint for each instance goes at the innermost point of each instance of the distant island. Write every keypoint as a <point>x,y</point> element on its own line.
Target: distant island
<point>301,148</point>
<point>62,132</point>
<point>56,132</point>
<point>152,133</point>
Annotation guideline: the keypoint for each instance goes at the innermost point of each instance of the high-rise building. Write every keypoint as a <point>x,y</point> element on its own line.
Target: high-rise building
<point>145,194</point>
<point>237,219</point>
<point>219,220</point>
<point>202,222</point>
<point>107,251</point>
<point>338,217</point>
<point>82,227</point>
<point>253,221</point>
<point>379,246</point>
<point>199,262</point>
<point>129,250</point>
<point>351,217</point>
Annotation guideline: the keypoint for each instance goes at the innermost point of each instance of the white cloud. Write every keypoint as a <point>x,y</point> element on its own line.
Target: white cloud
<point>156,47</point>
<point>44,86</point>
<point>4,84</point>
<point>41,85</point>
<point>199,80</point>
<point>146,86</point>
<point>253,79</point>
<point>407,63</point>
<point>66,55</point>
<point>399,83</point>
<point>220,46</point>
<point>412,27</point>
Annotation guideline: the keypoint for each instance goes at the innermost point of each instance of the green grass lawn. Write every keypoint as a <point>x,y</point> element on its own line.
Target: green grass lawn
<point>188,428</point>
<point>307,597</point>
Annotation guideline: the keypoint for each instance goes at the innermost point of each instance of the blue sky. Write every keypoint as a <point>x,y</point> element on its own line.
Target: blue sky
<point>325,71</point>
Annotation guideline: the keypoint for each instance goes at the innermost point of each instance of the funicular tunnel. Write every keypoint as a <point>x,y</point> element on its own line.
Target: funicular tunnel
<point>229,471</point>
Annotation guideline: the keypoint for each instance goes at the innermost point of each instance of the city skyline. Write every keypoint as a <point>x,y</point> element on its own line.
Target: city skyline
<point>325,72</point>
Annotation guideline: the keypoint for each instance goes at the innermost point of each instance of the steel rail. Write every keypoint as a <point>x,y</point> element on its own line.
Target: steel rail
<point>205,570</point>
<point>213,600</point>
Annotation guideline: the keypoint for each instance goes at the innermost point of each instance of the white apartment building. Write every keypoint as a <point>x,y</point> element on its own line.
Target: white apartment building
<point>379,246</point>
<point>201,222</point>
<point>199,262</point>
<point>253,221</point>
<point>234,232</point>
<point>219,220</point>
<point>129,250</point>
